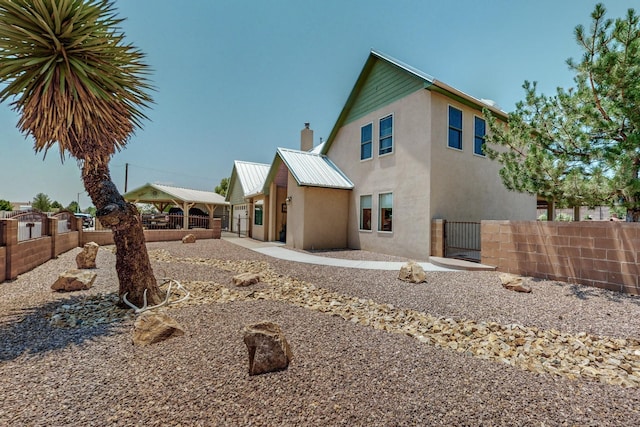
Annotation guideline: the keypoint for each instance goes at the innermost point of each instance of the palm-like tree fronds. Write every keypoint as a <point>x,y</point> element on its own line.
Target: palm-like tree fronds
<point>71,76</point>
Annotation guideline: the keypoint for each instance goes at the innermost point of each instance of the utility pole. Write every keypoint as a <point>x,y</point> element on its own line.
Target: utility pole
<point>126,176</point>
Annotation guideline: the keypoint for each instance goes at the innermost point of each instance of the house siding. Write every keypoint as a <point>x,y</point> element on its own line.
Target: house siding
<point>385,84</point>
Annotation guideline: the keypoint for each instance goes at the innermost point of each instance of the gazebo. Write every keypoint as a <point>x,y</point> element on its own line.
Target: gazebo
<point>162,196</point>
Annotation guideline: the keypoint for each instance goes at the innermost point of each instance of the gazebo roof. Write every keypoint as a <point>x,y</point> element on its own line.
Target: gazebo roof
<point>158,194</point>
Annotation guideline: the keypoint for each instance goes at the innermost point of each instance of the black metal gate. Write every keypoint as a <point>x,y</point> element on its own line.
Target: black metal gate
<point>462,240</point>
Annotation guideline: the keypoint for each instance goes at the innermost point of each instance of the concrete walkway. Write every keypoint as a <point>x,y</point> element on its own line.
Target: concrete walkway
<point>277,250</point>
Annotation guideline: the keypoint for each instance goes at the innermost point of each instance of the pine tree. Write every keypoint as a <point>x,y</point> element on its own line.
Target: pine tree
<point>582,145</point>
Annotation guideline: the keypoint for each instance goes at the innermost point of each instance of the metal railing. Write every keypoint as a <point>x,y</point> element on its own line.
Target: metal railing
<point>65,219</point>
<point>462,240</point>
<point>31,224</point>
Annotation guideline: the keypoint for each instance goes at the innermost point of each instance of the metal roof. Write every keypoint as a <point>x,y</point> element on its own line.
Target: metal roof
<point>146,193</point>
<point>314,170</point>
<point>251,176</point>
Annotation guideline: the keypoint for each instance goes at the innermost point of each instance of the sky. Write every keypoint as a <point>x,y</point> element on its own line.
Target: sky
<point>235,79</point>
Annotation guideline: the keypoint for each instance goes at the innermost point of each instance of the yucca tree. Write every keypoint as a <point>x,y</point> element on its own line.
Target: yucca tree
<point>76,83</point>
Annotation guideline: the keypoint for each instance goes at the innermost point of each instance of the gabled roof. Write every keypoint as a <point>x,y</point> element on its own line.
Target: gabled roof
<point>157,193</point>
<point>428,82</point>
<point>308,169</point>
<point>251,177</point>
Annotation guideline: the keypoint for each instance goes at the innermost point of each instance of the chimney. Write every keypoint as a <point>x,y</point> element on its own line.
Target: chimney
<point>306,138</point>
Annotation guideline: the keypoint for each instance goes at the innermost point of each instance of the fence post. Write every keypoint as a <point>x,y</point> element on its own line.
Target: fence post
<point>437,237</point>
<point>52,223</point>
<point>11,242</point>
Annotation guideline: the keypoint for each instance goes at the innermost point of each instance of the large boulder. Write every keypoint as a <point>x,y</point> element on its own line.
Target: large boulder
<point>150,328</point>
<point>412,272</point>
<point>74,280</point>
<point>268,348</point>
<point>246,279</point>
<point>513,283</point>
<point>87,258</point>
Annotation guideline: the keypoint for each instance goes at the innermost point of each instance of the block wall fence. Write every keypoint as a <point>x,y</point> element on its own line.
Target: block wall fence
<point>19,257</point>
<point>604,254</point>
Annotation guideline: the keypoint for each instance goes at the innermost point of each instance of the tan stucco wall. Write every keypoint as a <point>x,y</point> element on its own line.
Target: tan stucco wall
<point>428,179</point>
<point>405,173</point>
<point>326,218</point>
<point>316,217</point>
<point>465,186</point>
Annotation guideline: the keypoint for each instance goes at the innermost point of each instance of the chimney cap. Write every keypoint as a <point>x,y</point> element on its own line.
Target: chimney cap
<point>306,125</point>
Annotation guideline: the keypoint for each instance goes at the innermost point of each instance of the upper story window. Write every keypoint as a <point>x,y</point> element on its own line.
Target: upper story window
<point>480,131</point>
<point>455,128</point>
<point>365,212</point>
<point>385,219</point>
<point>386,135</point>
<point>366,135</point>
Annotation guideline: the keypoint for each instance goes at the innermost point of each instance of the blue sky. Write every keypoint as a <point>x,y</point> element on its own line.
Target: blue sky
<point>237,78</point>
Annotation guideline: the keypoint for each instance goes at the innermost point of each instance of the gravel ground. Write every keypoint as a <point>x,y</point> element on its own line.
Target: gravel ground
<point>342,373</point>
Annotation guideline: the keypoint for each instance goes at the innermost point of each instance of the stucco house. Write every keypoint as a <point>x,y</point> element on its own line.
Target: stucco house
<point>408,149</point>
<point>412,146</point>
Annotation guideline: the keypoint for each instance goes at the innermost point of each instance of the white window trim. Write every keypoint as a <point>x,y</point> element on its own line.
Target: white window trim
<point>372,142</point>
<point>378,213</point>
<point>364,230</point>
<point>484,156</point>
<point>393,134</point>
<point>461,129</point>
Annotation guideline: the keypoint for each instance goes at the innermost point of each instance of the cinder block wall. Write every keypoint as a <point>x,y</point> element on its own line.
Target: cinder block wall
<point>437,237</point>
<point>3,263</point>
<point>28,255</point>
<point>603,254</point>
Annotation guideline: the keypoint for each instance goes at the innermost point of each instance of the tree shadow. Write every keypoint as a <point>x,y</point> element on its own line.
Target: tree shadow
<point>585,292</point>
<point>29,331</point>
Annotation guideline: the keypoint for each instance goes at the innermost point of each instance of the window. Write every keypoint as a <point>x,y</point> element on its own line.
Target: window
<point>257,214</point>
<point>386,135</point>
<point>455,128</point>
<point>385,202</point>
<point>366,134</point>
<point>480,131</point>
<point>365,212</point>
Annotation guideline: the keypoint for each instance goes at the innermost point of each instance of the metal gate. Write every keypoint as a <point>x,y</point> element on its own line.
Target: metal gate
<point>462,240</point>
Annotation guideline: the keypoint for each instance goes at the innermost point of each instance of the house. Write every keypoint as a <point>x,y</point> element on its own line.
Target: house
<point>246,182</point>
<point>412,146</point>
<point>406,149</point>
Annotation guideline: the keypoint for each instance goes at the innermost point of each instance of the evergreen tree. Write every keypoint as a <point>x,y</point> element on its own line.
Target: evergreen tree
<point>5,205</point>
<point>582,145</point>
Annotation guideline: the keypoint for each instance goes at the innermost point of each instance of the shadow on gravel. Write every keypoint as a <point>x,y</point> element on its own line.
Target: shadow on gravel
<point>29,332</point>
<point>585,292</point>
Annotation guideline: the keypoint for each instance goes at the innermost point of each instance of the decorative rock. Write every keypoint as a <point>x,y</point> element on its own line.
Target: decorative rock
<point>268,349</point>
<point>74,280</point>
<point>412,272</point>
<point>189,238</point>
<point>513,283</point>
<point>246,279</point>
<point>87,258</point>
<point>150,328</point>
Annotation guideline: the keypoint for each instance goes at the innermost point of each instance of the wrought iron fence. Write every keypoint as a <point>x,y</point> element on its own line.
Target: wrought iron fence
<point>64,221</point>
<point>31,224</point>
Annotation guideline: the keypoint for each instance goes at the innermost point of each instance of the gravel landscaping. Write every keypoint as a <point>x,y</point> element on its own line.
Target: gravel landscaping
<point>362,355</point>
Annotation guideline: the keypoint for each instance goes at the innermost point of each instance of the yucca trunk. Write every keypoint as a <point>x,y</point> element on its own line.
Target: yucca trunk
<point>132,260</point>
